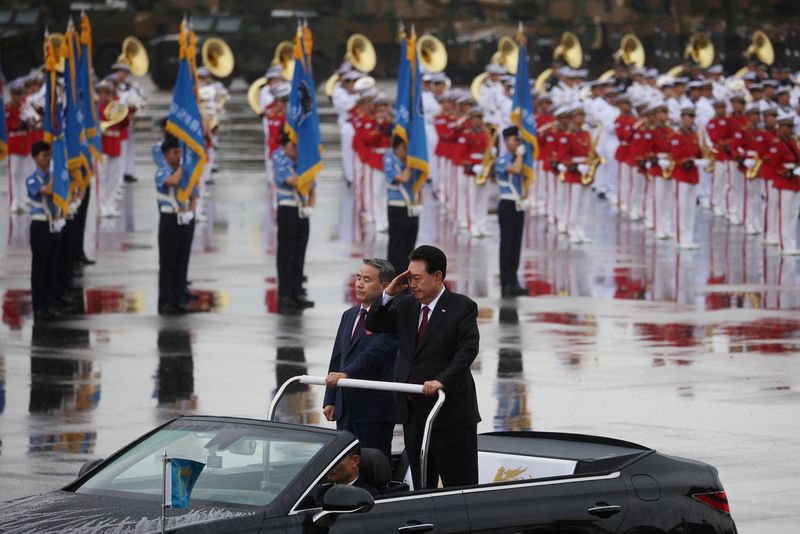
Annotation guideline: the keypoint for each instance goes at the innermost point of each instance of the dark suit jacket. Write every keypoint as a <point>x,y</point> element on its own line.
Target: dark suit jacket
<point>445,353</point>
<point>368,356</point>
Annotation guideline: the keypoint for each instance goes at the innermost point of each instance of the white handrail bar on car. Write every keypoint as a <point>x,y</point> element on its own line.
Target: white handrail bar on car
<point>398,387</point>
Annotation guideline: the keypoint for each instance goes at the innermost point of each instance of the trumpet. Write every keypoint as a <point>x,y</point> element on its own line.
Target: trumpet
<point>666,172</point>
<point>708,153</point>
<point>489,157</point>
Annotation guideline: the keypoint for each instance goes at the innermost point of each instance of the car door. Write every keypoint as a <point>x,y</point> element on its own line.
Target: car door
<point>561,506</point>
<point>411,514</point>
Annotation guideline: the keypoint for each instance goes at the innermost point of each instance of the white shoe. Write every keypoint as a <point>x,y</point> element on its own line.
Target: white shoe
<point>562,229</point>
<point>752,230</point>
<point>475,232</point>
<point>718,212</point>
<point>463,224</point>
<point>688,246</point>
<point>585,239</point>
<point>771,241</point>
<point>662,236</point>
<point>649,225</point>
<point>790,252</point>
<point>382,228</point>
<point>575,240</point>
<point>705,204</point>
<point>735,221</point>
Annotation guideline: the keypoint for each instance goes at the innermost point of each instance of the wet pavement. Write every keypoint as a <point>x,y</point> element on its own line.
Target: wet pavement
<point>696,354</point>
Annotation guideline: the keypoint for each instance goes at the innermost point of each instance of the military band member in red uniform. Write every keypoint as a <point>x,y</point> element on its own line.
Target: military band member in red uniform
<point>19,147</point>
<point>685,151</point>
<point>623,125</point>
<point>770,174</point>
<point>573,166</point>
<point>110,167</point>
<point>473,146</point>
<point>663,196</point>
<point>747,147</point>
<point>726,188</point>
<point>377,141</point>
<point>785,153</point>
<point>559,188</point>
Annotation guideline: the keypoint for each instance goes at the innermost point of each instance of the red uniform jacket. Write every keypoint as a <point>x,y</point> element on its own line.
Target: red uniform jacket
<point>111,139</point>
<point>548,146</point>
<point>746,143</point>
<point>720,133</point>
<point>659,145</point>
<point>448,131</point>
<point>684,147</point>
<point>624,128</point>
<point>377,141</point>
<point>18,140</point>
<point>472,146</point>
<point>575,150</point>
<point>785,151</point>
<point>275,122</point>
<point>363,127</point>
<point>768,171</point>
<point>641,144</point>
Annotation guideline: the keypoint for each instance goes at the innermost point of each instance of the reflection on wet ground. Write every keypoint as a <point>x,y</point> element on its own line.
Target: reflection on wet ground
<point>694,353</point>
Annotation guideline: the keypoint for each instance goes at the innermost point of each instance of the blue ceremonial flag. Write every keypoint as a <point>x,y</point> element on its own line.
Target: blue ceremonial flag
<point>522,113</point>
<point>417,146</point>
<point>53,122</point>
<point>302,120</point>
<point>77,148</point>
<point>91,121</point>
<point>184,120</point>
<point>180,476</point>
<point>403,102</point>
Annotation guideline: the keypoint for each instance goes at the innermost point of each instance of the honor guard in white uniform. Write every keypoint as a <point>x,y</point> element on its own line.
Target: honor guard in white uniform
<point>491,90</point>
<point>132,95</point>
<point>431,91</point>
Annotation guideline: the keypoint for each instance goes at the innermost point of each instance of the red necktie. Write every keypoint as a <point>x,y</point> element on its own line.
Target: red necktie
<point>424,323</point>
<point>360,324</point>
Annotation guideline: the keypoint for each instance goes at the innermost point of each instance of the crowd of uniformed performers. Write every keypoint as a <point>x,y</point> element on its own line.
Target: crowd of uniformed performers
<point>655,147</point>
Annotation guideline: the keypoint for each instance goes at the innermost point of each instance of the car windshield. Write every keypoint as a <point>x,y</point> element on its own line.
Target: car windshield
<point>245,465</point>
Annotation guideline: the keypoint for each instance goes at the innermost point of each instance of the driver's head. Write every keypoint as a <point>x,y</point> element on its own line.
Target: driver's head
<point>346,471</point>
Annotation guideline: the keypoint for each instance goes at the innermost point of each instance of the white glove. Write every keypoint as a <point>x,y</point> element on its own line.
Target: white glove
<point>796,172</point>
<point>663,163</point>
<point>648,164</point>
<point>701,162</point>
<point>583,168</point>
<point>748,163</point>
<point>477,169</point>
<point>415,210</point>
<point>185,217</point>
<point>520,151</point>
<point>494,151</point>
<point>73,208</point>
<point>561,167</point>
<point>307,211</point>
<point>58,225</point>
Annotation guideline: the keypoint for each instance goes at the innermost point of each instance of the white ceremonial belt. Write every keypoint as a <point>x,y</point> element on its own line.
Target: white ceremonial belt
<point>288,202</point>
<point>166,209</point>
<point>503,183</point>
<point>39,217</point>
<point>662,155</point>
<point>509,196</point>
<point>580,159</point>
<point>476,156</point>
<point>398,203</point>
<point>18,133</point>
<point>751,153</point>
<point>382,150</point>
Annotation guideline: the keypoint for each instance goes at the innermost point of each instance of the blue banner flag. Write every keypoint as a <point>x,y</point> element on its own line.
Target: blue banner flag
<point>522,113</point>
<point>3,131</point>
<point>53,122</point>
<point>184,120</point>
<point>77,148</point>
<point>91,121</point>
<point>417,146</point>
<point>180,477</point>
<point>302,120</point>
<point>403,102</point>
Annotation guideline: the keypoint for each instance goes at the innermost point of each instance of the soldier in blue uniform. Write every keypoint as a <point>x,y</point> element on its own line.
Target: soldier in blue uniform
<point>510,211</point>
<point>403,205</point>
<point>174,232</point>
<point>294,210</point>
<point>45,235</point>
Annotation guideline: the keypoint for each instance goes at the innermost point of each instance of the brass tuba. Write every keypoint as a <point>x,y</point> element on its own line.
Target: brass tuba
<point>631,51</point>
<point>135,56</point>
<point>700,49</point>
<point>569,49</point>
<point>361,54</point>
<point>217,57</point>
<point>594,160</point>
<point>284,58</point>
<point>432,53</point>
<point>761,47</point>
<point>506,56</point>
<point>114,113</point>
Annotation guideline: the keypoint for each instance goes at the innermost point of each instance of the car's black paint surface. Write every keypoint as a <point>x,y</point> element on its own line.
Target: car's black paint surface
<point>630,488</point>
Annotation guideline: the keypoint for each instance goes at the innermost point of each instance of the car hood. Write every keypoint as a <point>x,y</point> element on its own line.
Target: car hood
<point>64,511</point>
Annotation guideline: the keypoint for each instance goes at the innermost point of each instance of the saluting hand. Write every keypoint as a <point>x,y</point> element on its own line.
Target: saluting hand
<point>398,285</point>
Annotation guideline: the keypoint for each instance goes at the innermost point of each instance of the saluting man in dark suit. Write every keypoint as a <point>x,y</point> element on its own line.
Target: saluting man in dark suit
<point>358,353</point>
<point>437,333</point>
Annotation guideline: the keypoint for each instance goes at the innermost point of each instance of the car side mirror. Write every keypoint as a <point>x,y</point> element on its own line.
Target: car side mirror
<point>342,499</point>
<point>89,465</point>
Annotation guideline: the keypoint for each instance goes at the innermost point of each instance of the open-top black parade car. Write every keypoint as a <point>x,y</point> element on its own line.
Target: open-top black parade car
<point>262,476</point>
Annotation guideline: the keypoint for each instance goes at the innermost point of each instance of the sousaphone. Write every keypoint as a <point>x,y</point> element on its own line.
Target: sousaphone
<point>114,113</point>
<point>631,51</point>
<point>360,54</point>
<point>569,49</point>
<point>217,57</point>
<point>507,56</point>
<point>761,47</point>
<point>432,53</point>
<point>700,50</point>
<point>135,56</point>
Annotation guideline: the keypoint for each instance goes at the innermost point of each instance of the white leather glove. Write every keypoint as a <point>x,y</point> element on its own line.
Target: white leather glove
<point>663,163</point>
<point>583,168</point>
<point>520,151</point>
<point>648,164</point>
<point>307,211</point>
<point>748,163</point>
<point>415,210</point>
<point>73,208</point>
<point>701,162</point>
<point>494,151</point>
<point>477,169</point>
<point>58,225</point>
<point>186,217</point>
<point>796,171</point>
<point>561,167</point>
